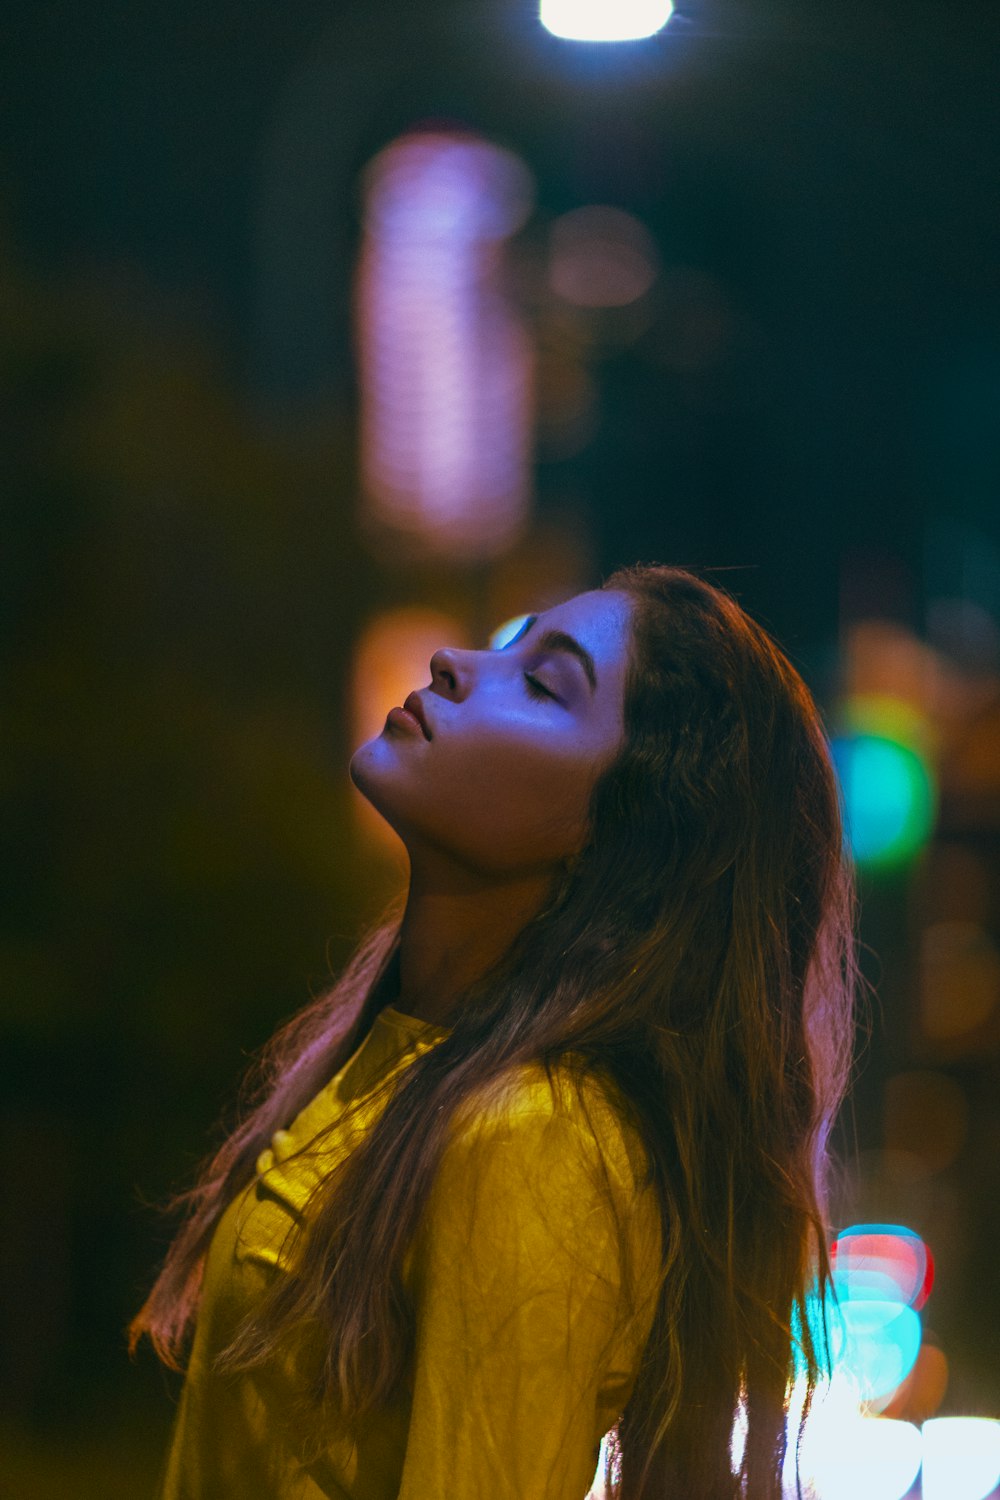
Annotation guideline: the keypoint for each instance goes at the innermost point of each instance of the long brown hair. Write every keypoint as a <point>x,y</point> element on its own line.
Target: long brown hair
<point>698,963</point>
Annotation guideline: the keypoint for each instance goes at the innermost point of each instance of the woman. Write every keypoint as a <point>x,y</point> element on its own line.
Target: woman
<point>550,1159</point>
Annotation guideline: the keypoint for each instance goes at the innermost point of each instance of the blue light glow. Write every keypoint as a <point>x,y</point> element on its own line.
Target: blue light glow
<point>881,1344</point>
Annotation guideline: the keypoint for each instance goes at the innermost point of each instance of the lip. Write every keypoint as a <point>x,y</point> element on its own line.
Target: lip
<point>414,706</point>
<point>403,719</point>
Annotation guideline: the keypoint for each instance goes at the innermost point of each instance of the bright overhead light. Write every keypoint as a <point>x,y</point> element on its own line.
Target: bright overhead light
<point>604,20</point>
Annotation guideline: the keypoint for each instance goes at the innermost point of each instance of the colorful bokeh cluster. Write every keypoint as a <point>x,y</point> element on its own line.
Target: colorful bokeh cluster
<point>882,1275</point>
<point>854,1445</point>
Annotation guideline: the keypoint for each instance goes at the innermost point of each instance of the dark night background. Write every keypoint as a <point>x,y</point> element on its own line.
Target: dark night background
<point>184,577</point>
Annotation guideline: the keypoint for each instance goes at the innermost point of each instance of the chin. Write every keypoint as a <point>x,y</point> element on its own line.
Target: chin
<point>359,771</point>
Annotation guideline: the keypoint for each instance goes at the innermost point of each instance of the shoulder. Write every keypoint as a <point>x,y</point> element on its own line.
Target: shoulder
<point>537,1190</point>
<point>562,1120</point>
<point>544,1177</point>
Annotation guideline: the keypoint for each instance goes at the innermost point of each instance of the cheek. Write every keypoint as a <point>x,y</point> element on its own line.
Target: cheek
<point>522,801</point>
<point>539,777</point>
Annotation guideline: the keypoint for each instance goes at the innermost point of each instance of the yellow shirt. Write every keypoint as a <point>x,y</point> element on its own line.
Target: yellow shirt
<point>525,1349</point>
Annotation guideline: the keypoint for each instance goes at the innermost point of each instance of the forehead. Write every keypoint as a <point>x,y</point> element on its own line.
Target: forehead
<point>601,618</point>
<point>601,621</point>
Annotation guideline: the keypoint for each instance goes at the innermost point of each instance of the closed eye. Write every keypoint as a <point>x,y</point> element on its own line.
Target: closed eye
<point>537,689</point>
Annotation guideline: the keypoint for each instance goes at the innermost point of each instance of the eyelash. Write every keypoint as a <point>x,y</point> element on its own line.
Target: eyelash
<point>535,688</point>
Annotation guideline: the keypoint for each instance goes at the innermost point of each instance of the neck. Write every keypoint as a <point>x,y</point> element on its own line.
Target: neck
<point>454,931</point>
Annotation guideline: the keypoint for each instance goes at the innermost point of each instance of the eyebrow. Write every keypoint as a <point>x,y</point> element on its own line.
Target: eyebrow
<point>558,640</point>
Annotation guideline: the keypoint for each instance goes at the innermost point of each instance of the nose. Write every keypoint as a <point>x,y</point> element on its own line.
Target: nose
<point>446,666</point>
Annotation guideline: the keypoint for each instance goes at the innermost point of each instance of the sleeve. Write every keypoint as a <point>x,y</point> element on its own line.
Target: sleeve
<point>517,1289</point>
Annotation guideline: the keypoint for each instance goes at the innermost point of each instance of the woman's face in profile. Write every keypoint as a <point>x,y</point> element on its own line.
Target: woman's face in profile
<point>518,738</point>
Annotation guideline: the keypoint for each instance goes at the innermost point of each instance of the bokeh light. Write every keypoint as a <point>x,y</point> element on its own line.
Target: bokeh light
<point>850,1457</point>
<point>601,257</point>
<point>445,363</point>
<point>961,1457</point>
<point>604,20</point>
<point>882,1275</point>
<point>882,1261</point>
<point>886,798</point>
<point>506,632</point>
<point>921,1393</point>
<point>881,1345</point>
<point>887,783</point>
